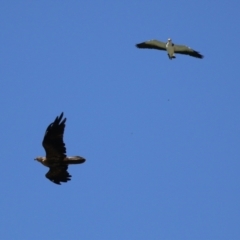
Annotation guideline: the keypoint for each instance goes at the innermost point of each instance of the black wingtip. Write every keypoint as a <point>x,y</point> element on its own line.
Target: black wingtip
<point>59,119</point>
<point>197,55</point>
<point>200,56</point>
<point>140,45</point>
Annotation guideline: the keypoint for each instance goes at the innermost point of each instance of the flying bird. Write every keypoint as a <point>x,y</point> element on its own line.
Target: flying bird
<point>170,47</point>
<point>56,158</point>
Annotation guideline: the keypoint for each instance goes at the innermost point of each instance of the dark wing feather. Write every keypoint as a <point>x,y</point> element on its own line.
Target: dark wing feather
<point>53,140</point>
<point>181,49</point>
<point>58,174</point>
<point>152,44</point>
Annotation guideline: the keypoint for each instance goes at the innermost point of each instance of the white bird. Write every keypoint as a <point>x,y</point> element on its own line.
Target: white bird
<point>170,47</point>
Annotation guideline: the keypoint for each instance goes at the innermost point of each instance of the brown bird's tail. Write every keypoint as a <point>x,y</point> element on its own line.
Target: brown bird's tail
<point>74,160</point>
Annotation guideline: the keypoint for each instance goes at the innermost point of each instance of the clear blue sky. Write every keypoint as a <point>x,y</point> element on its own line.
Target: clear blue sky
<point>161,137</point>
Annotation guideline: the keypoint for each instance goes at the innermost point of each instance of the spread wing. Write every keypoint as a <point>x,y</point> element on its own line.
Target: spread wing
<point>53,140</point>
<point>152,44</point>
<point>58,174</point>
<point>181,49</point>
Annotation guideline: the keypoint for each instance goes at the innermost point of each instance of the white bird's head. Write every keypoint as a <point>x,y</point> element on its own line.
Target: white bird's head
<point>169,40</point>
<point>40,159</point>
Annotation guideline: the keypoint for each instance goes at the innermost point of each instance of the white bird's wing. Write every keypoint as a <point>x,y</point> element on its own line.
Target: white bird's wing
<point>182,49</point>
<point>152,44</point>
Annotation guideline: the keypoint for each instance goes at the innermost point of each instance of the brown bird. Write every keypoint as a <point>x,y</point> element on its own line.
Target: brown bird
<point>56,158</point>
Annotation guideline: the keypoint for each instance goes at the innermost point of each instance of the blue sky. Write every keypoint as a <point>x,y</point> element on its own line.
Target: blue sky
<point>161,137</point>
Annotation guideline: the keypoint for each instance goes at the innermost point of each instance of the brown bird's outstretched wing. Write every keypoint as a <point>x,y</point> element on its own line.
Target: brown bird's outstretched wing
<point>53,140</point>
<point>152,44</point>
<point>182,49</point>
<point>58,174</point>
